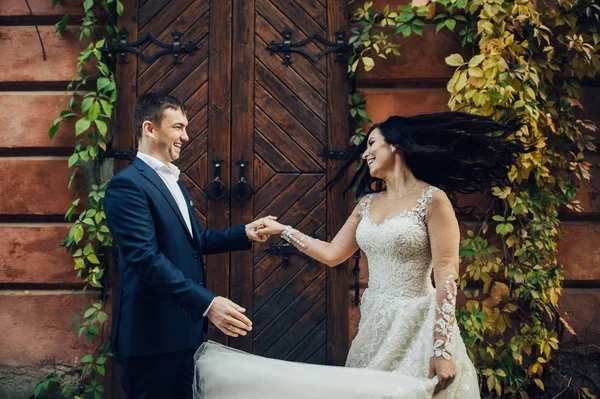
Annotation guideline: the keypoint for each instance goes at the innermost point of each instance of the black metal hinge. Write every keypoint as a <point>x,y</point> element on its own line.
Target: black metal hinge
<point>326,154</point>
<point>286,250</point>
<point>130,155</point>
<point>287,47</point>
<point>176,48</point>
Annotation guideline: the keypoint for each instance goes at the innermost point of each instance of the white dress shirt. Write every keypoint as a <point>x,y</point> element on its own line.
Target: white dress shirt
<point>170,175</point>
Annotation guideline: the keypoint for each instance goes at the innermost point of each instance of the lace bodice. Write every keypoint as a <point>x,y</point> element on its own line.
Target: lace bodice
<point>397,249</point>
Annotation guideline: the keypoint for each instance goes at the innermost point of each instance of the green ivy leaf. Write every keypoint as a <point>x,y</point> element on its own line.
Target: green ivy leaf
<point>94,112</point>
<point>87,103</point>
<point>451,24</point>
<point>73,159</point>
<point>101,125</point>
<point>78,234</point>
<point>87,359</point>
<point>119,8</point>
<point>93,259</point>
<point>103,83</point>
<point>90,312</point>
<point>82,125</point>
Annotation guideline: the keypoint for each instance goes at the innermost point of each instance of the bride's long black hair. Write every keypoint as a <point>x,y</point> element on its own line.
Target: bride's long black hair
<point>455,151</point>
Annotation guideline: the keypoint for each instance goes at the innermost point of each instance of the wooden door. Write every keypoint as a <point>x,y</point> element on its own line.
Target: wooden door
<point>244,104</point>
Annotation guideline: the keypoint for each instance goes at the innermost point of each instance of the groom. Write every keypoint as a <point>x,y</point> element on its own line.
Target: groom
<point>161,310</point>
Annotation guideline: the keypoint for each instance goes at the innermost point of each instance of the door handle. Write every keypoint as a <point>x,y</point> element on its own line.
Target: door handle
<point>242,191</point>
<point>215,189</point>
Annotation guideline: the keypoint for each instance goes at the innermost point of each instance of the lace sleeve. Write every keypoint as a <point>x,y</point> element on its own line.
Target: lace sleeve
<point>444,236</point>
<point>331,253</point>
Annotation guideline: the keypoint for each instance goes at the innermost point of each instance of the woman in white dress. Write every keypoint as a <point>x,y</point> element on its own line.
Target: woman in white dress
<point>408,343</point>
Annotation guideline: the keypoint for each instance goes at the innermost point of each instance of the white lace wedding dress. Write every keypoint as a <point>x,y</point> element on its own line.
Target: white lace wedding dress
<point>388,359</point>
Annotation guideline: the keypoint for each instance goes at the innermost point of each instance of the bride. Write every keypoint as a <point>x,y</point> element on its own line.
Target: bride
<point>408,343</point>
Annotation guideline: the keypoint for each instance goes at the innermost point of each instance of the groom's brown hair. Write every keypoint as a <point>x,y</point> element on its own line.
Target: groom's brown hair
<point>150,107</point>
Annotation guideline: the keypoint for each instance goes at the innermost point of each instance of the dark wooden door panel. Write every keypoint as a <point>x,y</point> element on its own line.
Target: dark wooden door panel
<point>245,104</point>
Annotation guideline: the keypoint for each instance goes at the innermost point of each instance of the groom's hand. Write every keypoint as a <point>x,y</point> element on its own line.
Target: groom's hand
<point>252,229</point>
<point>228,317</point>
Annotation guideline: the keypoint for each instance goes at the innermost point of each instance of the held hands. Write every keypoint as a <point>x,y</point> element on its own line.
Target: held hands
<point>444,369</point>
<point>227,316</point>
<point>271,227</point>
<point>253,229</point>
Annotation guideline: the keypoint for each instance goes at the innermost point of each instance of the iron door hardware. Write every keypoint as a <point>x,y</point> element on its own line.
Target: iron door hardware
<point>287,47</point>
<point>242,191</point>
<point>215,189</point>
<point>176,48</point>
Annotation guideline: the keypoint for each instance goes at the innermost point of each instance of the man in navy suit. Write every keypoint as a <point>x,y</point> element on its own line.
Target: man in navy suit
<point>163,303</point>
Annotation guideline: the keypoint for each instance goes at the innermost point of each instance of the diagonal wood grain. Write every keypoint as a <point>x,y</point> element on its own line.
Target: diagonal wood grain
<point>297,151</point>
<point>267,331</point>
<point>302,328</point>
<point>267,151</point>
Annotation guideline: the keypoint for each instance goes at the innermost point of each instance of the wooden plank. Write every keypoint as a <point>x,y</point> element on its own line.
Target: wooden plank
<point>288,99</point>
<point>31,254</point>
<point>303,90</point>
<point>40,8</point>
<point>127,83</point>
<point>286,119</point>
<point>337,138</point>
<point>19,46</point>
<point>262,173</point>
<point>26,118</point>
<point>319,357</point>
<point>219,136</point>
<point>284,345</point>
<point>242,147</point>
<point>34,186</point>
<point>421,58</point>
<point>267,151</point>
<point>579,251</point>
<point>302,65</point>
<point>383,103</point>
<point>271,329</point>
<point>301,150</point>
<point>315,10</point>
<point>310,344</point>
<point>46,323</point>
<point>271,190</point>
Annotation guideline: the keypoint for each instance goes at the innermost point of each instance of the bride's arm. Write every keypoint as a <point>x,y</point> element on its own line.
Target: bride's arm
<point>444,236</point>
<point>331,253</point>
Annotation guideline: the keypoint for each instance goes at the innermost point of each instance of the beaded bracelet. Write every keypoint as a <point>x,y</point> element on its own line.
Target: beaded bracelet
<point>288,235</point>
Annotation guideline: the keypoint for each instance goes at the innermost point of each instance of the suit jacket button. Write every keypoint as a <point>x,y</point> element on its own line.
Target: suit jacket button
<point>196,254</point>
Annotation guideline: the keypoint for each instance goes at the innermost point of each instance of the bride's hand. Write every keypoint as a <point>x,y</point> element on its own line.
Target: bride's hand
<point>445,371</point>
<point>270,227</point>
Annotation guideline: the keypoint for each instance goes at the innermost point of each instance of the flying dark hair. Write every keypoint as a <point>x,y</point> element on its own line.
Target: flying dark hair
<point>150,107</point>
<point>455,151</point>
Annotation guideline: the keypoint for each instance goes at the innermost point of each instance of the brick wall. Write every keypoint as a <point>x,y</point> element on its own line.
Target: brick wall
<point>41,302</point>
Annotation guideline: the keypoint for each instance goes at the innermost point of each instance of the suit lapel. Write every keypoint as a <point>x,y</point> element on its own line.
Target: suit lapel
<point>155,179</point>
<point>190,206</point>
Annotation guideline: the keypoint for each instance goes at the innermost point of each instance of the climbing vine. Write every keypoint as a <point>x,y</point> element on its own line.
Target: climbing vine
<point>528,59</point>
<point>89,107</point>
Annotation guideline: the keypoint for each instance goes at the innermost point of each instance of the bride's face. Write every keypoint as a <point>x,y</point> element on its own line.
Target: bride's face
<point>379,155</point>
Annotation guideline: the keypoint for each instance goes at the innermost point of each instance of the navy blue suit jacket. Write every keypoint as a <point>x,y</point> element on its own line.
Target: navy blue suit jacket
<point>162,293</point>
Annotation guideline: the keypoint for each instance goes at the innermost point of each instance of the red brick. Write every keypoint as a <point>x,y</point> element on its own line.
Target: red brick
<point>27,116</point>
<point>383,103</point>
<point>32,254</point>
<point>40,7</point>
<point>421,58</point>
<point>22,59</point>
<point>42,327</point>
<point>34,186</point>
<point>579,252</point>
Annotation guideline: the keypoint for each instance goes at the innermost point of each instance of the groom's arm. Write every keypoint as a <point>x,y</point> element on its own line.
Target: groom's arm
<point>225,240</point>
<point>131,223</point>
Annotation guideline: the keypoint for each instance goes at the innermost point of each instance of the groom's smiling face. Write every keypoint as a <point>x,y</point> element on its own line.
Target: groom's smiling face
<point>170,135</point>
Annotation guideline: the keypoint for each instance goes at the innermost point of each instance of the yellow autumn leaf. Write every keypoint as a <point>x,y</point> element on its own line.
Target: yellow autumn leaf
<point>454,60</point>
